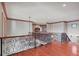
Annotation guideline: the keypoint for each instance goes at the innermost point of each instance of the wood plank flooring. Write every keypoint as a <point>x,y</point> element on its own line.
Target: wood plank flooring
<point>52,49</point>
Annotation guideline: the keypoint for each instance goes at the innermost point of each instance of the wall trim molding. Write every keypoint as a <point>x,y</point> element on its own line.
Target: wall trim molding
<point>63,21</point>
<point>4,9</point>
<point>19,20</point>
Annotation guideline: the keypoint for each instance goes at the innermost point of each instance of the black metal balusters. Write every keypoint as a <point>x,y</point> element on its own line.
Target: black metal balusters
<point>1,46</point>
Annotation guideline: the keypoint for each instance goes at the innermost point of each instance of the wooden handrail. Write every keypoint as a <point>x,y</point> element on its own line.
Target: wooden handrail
<point>23,35</point>
<point>14,36</point>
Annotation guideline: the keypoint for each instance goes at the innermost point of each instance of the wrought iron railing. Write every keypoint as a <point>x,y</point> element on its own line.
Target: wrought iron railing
<point>61,37</point>
<point>15,44</point>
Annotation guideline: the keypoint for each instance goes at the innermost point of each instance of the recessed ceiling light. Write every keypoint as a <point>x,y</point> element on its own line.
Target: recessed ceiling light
<point>48,17</point>
<point>64,5</point>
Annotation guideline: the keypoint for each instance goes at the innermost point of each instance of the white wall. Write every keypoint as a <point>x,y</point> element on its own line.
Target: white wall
<point>0,20</point>
<point>73,32</point>
<point>16,28</point>
<point>48,27</point>
<point>56,28</point>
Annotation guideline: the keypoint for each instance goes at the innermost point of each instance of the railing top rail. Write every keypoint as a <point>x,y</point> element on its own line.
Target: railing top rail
<point>23,35</point>
<point>15,36</point>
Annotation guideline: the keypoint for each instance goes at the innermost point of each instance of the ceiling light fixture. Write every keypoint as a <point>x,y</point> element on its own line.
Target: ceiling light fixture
<point>48,17</point>
<point>64,5</point>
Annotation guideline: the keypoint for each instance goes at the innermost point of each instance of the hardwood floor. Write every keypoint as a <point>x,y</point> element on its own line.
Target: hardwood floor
<point>53,49</point>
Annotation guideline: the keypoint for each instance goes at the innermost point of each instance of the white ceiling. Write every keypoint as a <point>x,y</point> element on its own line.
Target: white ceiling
<point>42,12</point>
